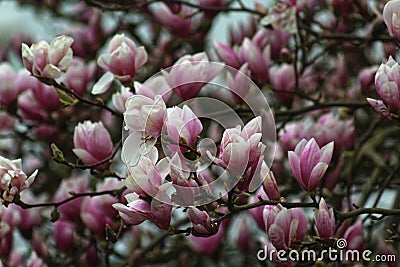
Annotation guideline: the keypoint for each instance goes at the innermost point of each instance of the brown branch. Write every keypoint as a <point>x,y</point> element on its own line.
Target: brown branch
<point>74,196</point>
<point>65,89</point>
<point>295,112</point>
<point>89,166</point>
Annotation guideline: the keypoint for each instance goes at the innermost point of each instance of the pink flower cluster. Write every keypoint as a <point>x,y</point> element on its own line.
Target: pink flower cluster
<point>12,179</point>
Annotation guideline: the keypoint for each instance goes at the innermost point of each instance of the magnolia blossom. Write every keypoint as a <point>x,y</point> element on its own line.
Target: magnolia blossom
<point>92,142</point>
<point>207,245</point>
<point>387,83</point>
<point>147,176</point>
<point>12,179</point>
<point>153,87</point>
<point>283,79</point>
<point>145,115</point>
<point>123,58</point>
<point>97,212</point>
<point>119,99</point>
<point>244,240</point>
<point>269,184</point>
<point>380,107</point>
<point>138,210</point>
<point>281,226</point>
<point>201,222</point>
<point>6,122</point>
<point>227,55</point>
<point>8,88</point>
<point>174,22</point>
<point>241,151</point>
<point>366,78</point>
<point>257,212</point>
<point>9,219</point>
<point>240,84</point>
<point>325,220</point>
<point>391,17</point>
<point>63,233</point>
<point>79,75</point>
<point>309,162</point>
<point>329,127</point>
<point>48,60</point>
<point>190,73</point>
<point>257,58</point>
<point>70,211</point>
<point>183,126</point>
<point>355,236</point>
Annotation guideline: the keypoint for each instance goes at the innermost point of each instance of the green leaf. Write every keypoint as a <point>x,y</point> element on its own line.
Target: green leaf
<point>67,98</point>
<point>57,153</point>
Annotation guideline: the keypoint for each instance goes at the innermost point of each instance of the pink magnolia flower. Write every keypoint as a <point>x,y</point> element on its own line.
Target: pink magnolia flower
<point>355,236</point>
<point>190,73</point>
<point>12,179</point>
<point>9,219</point>
<point>207,245</point>
<point>39,245</point>
<point>281,227</point>
<point>46,96</point>
<point>6,122</point>
<point>138,210</point>
<point>201,222</point>
<point>97,212</point>
<point>275,38</point>
<point>146,177</point>
<point>387,82</point>
<point>241,152</point>
<point>174,22</point>
<point>162,213</point>
<point>8,88</point>
<point>153,87</point>
<point>309,162</point>
<point>79,75</point>
<point>380,107</point>
<point>257,213</point>
<point>391,17</point>
<point>244,240</point>
<point>269,183</point>
<point>238,32</point>
<point>183,126</point>
<point>227,55</point>
<point>119,99</point>
<point>145,115</point>
<point>123,58</point>
<point>184,194</point>
<point>70,211</point>
<point>366,78</point>
<point>302,229</point>
<point>92,142</point>
<point>29,217</point>
<point>329,128</point>
<point>240,84</point>
<point>257,58</point>
<point>48,61</point>
<point>325,220</point>
<point>283,79</point>
<point>63,233</point>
